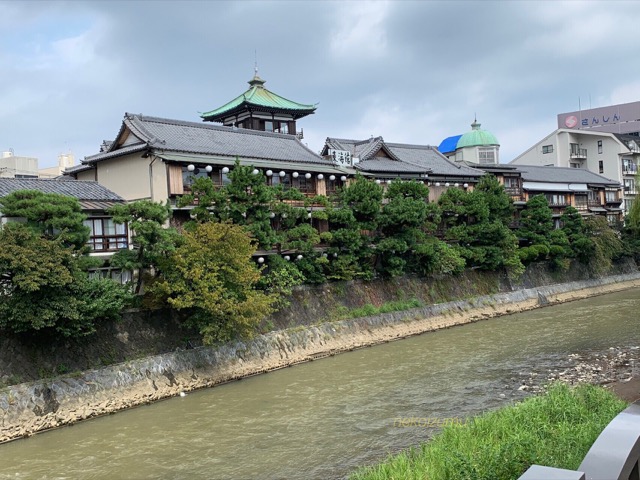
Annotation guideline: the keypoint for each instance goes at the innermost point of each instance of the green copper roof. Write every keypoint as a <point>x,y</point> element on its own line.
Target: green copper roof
<point>477,137</point>
<point>260,97</point>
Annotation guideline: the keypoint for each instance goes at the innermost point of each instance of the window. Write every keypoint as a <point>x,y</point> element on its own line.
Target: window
<point>511,182</point>
<point>581,201</point>
<point>305,185</point>
<point>629,185</point>
<point>333,185</point>
<point>601,166</point>
<point>547,149</point>
<point>120,276</point>
<point>106,235</point>
<point>486,156</point>
<point>189,177</point>
<point>268,126</point>
<point>281,127</point>
<point>600,147</point>
<point>612,197</point>
<point>575,165</point>
<point>276,179</point>
<point>556,199</point>
<point>629,166</point>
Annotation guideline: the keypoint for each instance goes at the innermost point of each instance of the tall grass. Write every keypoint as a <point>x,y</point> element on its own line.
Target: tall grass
<point>555,429</point>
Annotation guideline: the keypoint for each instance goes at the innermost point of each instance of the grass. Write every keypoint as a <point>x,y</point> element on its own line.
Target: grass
<point>555,429</point>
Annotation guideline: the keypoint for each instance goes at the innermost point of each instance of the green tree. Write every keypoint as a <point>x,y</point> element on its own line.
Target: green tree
<point>581,246</point>
<point>607,245</point>
<point>44,287</point>
<point>50,214</point>
<point>403,222</point>
<point>364,198</point>
<point>499,203</point>
<point>484,242</point>
<point>536,221</point>
<point>152,240</point>
<point>213,277</point>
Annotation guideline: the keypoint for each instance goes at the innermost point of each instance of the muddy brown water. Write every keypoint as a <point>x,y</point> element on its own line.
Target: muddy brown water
<point>323,419</point>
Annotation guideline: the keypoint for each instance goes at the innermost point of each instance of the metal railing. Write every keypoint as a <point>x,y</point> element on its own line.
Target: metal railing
<point>615,455</point>
<point>578,152</point>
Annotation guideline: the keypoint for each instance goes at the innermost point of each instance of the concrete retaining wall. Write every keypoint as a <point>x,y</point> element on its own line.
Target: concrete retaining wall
<point>29,408</point>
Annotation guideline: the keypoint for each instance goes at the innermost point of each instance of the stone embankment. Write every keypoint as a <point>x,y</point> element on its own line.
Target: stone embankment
<point>28,408</point>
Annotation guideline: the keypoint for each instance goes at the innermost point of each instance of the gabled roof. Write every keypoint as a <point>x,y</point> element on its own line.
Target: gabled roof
<point>258,98</point>
<point>92,195</point>
<point>402,158</point>
<point>536,173</point>
<point>162,135</point>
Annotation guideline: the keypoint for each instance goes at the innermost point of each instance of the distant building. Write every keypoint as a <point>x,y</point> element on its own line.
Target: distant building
<point>613,155</point>
<point>12,166</point>
<point>623,118</point>
<point>65,161</point>
<point>478,146</point>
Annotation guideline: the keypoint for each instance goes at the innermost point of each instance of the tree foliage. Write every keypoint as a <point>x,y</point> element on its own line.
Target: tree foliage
<point>151,239</point>
<point>212,276</point>
<point>50,214</point>
<point>44,287</point>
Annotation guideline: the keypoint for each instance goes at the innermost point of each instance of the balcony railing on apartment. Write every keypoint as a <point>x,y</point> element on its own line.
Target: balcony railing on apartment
<point>513,191</point>
<point>577,153</point>
<point>629,170</point>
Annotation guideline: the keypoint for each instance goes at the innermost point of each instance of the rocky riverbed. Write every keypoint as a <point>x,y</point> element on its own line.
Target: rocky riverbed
<point>617,368</point>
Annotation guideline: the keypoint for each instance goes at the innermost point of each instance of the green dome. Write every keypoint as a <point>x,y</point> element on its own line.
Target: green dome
<point>477,137</point>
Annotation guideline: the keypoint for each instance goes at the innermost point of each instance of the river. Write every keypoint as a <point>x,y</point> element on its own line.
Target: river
<point>323,419</point>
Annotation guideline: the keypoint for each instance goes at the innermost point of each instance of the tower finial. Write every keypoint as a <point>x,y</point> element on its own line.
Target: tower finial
<point>255,68</point>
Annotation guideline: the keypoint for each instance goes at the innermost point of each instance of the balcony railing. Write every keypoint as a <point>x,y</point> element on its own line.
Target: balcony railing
<point>629,170</point>
<point>578,152</point>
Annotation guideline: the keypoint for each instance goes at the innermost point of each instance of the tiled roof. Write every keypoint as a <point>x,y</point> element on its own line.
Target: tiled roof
<point>82,190</point>
<point>402,157</point>
<point>429,157</point>
<point>258,96</point>
<point>382,165</point>
<point>165,135</point>
<point>562,175</point>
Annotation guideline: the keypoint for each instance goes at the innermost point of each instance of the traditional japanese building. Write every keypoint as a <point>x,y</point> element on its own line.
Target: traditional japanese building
<point>260,109</point>
<point>386,162</point>
<point>106,237</point>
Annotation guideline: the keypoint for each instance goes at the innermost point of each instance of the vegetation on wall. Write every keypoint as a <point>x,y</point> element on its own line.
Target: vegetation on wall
<point>368,231</point>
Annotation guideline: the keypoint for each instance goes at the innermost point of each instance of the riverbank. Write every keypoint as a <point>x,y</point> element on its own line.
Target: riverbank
<point>617,369</point>
<point>33,407</point>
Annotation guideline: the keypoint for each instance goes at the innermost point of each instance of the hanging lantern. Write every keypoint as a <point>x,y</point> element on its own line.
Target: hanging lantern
<point>282,173</point>
<point>343,178</point>
<point>332,178</point>
<point>191,167</point>
<point>255,171</point>
<point>225,169</point>
<point>208,168</point>
<point>295,174</point>
<point>269,173</point>
<point>320,176</point>
<point>307,176</point>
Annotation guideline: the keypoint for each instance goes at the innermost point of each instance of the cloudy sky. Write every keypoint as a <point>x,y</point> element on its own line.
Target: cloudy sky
<point>413,72</point>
